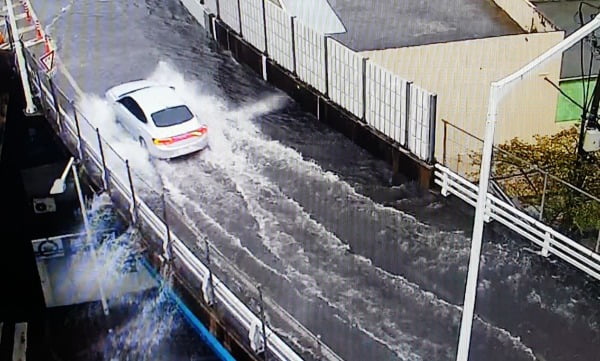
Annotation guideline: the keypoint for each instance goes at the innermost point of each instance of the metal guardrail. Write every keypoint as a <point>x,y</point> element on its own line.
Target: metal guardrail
<point>549,240</point>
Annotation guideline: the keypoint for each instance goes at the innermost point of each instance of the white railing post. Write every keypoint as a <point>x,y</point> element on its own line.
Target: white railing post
<point>546,247</point>
<point>445,183</point>
<point>488,210</point>
<point>29,105</point>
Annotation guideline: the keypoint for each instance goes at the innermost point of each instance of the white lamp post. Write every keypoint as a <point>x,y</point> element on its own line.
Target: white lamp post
<point>497,92</point>
<point>59,187</point>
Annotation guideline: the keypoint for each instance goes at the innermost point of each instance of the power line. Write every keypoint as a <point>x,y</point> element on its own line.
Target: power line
<point>563,93</point>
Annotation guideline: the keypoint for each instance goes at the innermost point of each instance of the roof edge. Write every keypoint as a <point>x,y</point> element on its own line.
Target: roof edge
<point>526,15</point>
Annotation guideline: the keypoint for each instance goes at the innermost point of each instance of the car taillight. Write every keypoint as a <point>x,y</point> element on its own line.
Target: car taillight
<point>164,141</point>
<point>170,140</point>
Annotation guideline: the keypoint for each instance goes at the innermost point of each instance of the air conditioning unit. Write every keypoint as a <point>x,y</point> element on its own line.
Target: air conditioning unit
<point>44,205</point>
<point>591,140</point>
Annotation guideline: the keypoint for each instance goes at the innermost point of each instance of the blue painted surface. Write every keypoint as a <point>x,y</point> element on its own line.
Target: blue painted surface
<point>202,331</point>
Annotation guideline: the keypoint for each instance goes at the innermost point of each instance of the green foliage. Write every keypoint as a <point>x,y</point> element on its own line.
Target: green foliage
<point>516,169</point>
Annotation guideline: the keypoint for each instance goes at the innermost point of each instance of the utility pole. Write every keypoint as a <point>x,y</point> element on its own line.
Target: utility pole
<point>589,120</point>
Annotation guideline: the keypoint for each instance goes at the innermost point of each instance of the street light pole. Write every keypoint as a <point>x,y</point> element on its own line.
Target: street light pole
<point>473,271</point>
<point>497,91</point>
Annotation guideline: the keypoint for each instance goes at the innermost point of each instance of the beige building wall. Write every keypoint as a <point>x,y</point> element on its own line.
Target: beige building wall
<point>524,13</point>
<point>460,73</point>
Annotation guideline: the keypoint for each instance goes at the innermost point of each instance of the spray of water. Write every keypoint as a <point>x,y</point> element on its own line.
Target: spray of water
<point>127,286</point>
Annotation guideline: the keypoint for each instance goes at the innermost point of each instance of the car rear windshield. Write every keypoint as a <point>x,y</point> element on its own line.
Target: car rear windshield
<point>172,116</point>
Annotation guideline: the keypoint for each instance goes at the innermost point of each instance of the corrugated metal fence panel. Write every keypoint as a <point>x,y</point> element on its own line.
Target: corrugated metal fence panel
<point>279,36</point>
<point>253,23</point>
<point>211,6</point>
<point>418,132</point>
<point>345,77</point>
<point>386,102</point>
<point>230,14</point>
<point>310,56</point>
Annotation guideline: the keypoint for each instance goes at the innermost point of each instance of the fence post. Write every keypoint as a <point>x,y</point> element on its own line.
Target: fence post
<point>319,348</point>
<point>208,287</point>
<point>326,63</point>
<point>407,115</point>
<point>55,101</point>
<point>444,191</point>
<point>546,247</point>
<point>293,23</point>
<point>263,321</point>
<point>541,218</point>
<point>240,17</point>
<point>264,9</point>
<point>432,123</point>
<point>133,206</point>
<point>487,217</point>
<point>444,150</point>
<point>104,171</point>
<point>598,242</point>
<point>168,246</point>
<point>364,90</point>
<point>79,142</point>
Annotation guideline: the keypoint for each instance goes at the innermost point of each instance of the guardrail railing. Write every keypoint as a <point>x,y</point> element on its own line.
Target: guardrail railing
<point>549,240</point>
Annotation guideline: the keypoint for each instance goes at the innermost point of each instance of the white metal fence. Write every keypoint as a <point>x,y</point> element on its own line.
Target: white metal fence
<point>253,23</point>
<point>310,55</point>
<point>421,120</point>
<point>230,13</point>
<point>280,38</point>
<point>210,5</point>
<point>386,103</point>
<point>542,235</point>
<point>346,83</point>
<point>389,104</point>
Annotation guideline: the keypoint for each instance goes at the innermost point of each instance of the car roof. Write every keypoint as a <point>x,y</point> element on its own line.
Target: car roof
<point>155,98</point>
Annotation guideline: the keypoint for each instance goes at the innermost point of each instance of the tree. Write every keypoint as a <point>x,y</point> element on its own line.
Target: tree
<point>517,168</point>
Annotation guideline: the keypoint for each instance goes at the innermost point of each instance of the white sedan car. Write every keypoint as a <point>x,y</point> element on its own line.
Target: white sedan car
<point>158,119</point>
